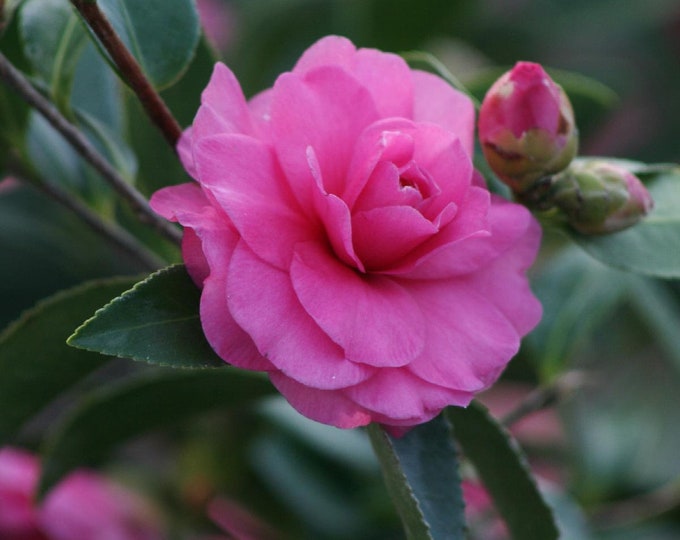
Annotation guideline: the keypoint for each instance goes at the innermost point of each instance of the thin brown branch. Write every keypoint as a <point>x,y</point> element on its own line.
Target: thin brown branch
<point>16,80</point>
<point>132,73</point>
<point>545,396</point>
<point>642,507</point>
<point>118,237</point>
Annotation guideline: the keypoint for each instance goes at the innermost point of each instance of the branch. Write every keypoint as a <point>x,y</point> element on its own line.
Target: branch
<point>117,236</point>
<point>132,73</point>
<point>639,508</point>
<point>134,198</point>
<point>545,396</point>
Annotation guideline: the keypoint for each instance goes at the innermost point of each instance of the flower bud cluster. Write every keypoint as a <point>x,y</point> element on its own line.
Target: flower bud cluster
<point>529,138</point>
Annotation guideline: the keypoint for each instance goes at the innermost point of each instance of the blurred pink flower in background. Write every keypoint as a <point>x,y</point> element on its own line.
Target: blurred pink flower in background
<point>344,242</point>
<point>217,18</point>
<point>84,505</point>
<point>239,522</point>
<point>19,473</point>
<point>480,513</point>
<point>8,184</point>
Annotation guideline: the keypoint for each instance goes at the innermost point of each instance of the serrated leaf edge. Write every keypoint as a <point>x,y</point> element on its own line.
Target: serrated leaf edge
<point>517,450</point>
<point>375,432</point>
<point>136,358</point>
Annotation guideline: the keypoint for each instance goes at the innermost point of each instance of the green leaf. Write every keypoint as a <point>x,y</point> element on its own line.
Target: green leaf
<point>110,145</point>
<point>651,247</point>
<point>13,109</point>
<point>623,427</point>
<point>161,398</point>
<point>53,158</point>
<point>660,311</point>
<point>161,34</point>
<point>157,321</point>
<point>45,249</point>
<point>421,473</point>
<point>504,472</point>
<point>35,363</point>
<point>578,295</point>
<point>53,39</point>
<point>97,91</point>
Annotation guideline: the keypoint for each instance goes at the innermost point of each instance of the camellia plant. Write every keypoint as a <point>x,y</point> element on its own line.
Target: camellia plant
<point>312,291</point>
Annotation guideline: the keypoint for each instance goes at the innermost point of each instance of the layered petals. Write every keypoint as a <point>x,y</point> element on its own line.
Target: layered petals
<point>435,101</point>
<point>243,176</point>
<point>373,318</point>
<point>263,302</point>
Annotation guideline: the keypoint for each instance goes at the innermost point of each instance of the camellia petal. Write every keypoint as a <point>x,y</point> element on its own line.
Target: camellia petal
<point>327,110</point>
<point>400,395</point>
<point>331,407</point>
<point>372,318</point>
<point>457,249</point>
<point>437,102</point>
<point>244,177</point>
<point>379,72</point>
<point>263,302</point>
<point>226,337</point>
<point>224,97</point>
<point>470,349</point>
<point>384,235</point>
<point>185,151</point>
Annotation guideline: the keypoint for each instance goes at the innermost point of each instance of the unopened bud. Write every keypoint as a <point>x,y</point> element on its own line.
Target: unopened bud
<point>599,197</point>
<point>526,127</point>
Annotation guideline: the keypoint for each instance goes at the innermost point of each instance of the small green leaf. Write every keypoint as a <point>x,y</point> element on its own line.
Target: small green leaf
<point>53,40</point>
<point>161,398</point>
<point>156,321</point>
<point>651,247</point>
<point>35,363</point>
<point>421,473</point>
<point>504,472</point>
<point>161,34</point>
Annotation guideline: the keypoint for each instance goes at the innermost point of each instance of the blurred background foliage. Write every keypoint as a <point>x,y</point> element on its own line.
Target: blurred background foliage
<point>609,452</point>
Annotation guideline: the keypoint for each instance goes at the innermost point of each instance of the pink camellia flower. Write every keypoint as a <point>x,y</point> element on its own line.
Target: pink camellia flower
<point>84,505</point>
<point>345,244</point>
<point>526,126</point>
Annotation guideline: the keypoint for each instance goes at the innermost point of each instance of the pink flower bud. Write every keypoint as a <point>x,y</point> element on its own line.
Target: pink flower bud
<point>600,197</point>
<point>526,127</point>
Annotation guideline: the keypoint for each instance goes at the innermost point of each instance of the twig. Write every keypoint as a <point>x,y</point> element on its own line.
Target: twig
<point>117,236</point>
<point>545,396</point>
<point>135,199</point>
<point>639,508</point>
<point>154,106</point>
